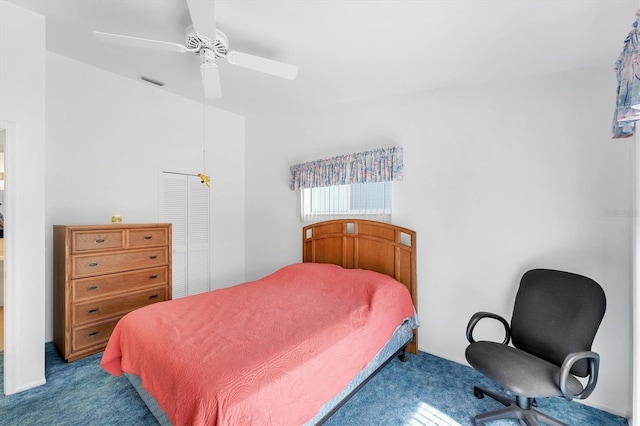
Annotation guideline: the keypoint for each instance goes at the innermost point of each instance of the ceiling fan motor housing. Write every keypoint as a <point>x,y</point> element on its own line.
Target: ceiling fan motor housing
<point>220,46</point>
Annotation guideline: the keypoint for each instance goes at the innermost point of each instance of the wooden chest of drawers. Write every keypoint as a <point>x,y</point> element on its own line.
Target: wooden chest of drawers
<point>101,273</point>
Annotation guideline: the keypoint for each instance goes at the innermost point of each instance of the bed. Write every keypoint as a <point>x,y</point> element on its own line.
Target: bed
<point>289,348</point>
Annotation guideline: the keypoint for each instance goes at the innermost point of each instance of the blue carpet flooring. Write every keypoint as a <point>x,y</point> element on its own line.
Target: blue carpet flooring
<point>426,390</point>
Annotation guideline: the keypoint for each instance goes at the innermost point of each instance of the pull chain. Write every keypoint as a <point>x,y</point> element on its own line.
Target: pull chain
<point>203,176</point>
<point>204,137</point>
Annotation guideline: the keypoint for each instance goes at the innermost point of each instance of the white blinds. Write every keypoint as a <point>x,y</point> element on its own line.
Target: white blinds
<point>366,200</point>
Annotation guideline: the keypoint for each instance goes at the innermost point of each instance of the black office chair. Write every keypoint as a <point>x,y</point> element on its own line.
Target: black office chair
<point>555,319</point>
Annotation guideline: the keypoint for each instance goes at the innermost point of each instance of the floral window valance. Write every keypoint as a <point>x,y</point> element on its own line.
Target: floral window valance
<point>378,165</point>
<point>628,97</point>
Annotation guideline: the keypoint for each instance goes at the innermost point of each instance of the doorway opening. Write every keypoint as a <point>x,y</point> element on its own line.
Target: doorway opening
<point>3,138</point>
<point>8,323</point>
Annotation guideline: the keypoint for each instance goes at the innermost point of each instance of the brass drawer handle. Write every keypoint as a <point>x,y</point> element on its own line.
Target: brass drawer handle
<point>93,311</point>
<point>92,264</point>
<point>153,277</point>
<point>153,297</point>
<point>93,334</point>
<point>92,287</point>
<point>100,240</point>
<point>154,257</point>
<point>147,237</point>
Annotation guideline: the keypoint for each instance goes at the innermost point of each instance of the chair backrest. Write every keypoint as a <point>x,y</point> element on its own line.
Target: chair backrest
<point>556,313</point>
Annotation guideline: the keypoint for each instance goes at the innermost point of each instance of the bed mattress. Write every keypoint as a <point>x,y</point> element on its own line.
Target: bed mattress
<point>400,338</point>
<point>271,351</point>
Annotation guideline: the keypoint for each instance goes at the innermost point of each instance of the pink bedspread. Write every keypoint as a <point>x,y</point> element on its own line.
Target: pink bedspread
<point>271,351</point>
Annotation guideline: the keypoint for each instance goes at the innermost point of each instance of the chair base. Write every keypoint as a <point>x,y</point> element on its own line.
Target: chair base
<point>519,409</point>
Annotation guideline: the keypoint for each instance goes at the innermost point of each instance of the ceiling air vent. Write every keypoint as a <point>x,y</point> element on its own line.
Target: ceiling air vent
<point>151,80</point>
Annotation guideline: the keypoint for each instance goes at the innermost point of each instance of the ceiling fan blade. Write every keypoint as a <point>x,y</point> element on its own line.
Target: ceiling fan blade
<point>203,17</point>
<point>140,42</point>
<point>256,63</point>
<point>211,80</point>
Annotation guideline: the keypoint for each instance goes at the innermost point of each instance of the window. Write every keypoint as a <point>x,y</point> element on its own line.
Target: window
<point>352,185</point>
<point>361,199</point>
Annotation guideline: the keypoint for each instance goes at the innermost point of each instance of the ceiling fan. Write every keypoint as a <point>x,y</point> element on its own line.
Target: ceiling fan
<point>209,43</point>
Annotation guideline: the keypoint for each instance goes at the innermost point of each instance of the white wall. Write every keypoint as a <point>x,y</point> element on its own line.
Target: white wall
<point>107,139</point>
<point>499,178</point>
<point>22,113</point>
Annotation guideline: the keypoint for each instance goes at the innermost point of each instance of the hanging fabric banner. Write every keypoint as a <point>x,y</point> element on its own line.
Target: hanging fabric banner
<point>628,95</point>
<point>378,165</point>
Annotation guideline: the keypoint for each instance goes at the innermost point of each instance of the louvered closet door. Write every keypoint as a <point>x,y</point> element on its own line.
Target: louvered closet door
<point>185,204</point>
<point>197,236</point>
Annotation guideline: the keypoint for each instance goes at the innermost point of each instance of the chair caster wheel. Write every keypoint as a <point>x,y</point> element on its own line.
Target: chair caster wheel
<point>478,393</point>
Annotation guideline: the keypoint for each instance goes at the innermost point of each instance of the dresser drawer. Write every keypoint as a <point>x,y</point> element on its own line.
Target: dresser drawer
<point>85,337</point>
<point>147,237</point>
<point>93,311</point>
<point>106,285</point>
<point>97,240</point>
<point>87,265</point>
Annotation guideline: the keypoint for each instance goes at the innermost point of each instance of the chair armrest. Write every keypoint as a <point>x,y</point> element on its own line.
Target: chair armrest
<point>594,364</point>
<point>480,315</point>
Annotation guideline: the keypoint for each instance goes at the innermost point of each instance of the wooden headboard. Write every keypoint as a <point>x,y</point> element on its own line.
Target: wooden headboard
<point>365,244</point>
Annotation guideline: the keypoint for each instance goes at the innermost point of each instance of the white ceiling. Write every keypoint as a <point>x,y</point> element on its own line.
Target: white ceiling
<point>346,49</point>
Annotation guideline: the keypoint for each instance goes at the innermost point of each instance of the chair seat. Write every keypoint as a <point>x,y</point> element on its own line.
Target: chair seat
<point>518,372</point>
